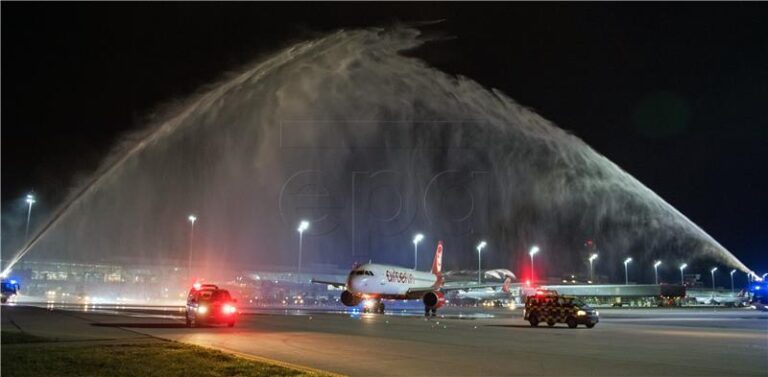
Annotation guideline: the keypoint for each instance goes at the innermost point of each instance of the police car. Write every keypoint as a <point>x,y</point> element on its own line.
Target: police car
<point>547,306</point>
<point>207,303</point>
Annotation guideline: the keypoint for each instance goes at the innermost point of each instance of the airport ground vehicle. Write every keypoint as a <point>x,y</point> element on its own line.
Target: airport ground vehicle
<point>8,289</point>
<point>208,304</point>
<point>547,306</point>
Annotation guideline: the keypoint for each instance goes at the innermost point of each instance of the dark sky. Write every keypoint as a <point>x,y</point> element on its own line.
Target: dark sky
<point>676,94</point>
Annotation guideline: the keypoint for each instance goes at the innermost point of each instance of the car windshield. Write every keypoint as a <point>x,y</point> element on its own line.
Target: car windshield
<point>219,295</point>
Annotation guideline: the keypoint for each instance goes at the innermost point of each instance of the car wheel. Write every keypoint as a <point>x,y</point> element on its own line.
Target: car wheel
<point>571,322</point>
<point>533,320</point>
<point>590,325</point>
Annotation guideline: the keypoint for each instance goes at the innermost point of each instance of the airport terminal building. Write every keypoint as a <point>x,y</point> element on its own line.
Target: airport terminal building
<point>641,295</point>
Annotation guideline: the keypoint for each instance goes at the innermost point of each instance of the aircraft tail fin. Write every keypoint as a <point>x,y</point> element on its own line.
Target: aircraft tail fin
<point>507,282</point>
<point>437,263</point>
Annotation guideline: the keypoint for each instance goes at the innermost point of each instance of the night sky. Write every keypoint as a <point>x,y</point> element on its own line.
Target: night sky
<point>676,94</point>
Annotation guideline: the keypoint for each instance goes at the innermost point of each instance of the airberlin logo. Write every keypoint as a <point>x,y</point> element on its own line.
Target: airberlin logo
<point>400,277</point>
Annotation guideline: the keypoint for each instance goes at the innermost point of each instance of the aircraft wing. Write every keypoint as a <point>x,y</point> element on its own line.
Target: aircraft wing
<point>333,283</point>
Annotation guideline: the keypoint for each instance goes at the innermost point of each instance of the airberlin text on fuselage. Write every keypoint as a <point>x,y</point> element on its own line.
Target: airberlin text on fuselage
<point>400,277</point>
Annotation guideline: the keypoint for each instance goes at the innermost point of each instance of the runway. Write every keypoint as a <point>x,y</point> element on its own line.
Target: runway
<point>627,342</point>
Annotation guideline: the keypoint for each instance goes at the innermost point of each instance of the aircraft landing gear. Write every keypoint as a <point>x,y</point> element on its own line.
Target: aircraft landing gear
<point>428,311</point>
<point>377,307</point>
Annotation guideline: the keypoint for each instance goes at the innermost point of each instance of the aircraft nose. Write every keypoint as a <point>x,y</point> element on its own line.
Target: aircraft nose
<point>355,283</point>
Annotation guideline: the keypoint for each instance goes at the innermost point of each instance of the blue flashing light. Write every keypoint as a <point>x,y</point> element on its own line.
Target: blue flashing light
<point>757,287</point>
<point>13,281</point>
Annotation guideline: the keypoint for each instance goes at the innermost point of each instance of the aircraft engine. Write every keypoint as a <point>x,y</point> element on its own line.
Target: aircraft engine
<point>348,299</point>
<point>434,300</point>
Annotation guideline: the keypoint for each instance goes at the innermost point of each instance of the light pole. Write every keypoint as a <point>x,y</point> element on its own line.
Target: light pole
<point>303,225</point>
<point>192,218</point>
<point>532,252</point>
<point>682,276</point>
<point>626,271</point>
<point>30,201</point>
<point>591,259</point>
<point>656,270</point>
<point>712,271</point>
<point>732,272</point>
<point>480,248</point>
<point>416,239</point>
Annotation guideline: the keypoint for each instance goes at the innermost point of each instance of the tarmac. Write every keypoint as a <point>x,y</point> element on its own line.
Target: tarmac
<point>467,342</point>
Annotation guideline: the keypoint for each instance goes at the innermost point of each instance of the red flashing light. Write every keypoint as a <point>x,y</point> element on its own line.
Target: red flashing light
<point>196,286</point>
<point>528,282</point>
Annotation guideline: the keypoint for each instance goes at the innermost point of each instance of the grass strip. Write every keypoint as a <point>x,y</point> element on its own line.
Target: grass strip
<point>144,359</point>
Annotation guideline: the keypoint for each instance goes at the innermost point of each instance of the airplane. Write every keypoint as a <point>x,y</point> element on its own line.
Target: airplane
<point>488,293</point>
<point>739,300</point>
<point>375,282</point>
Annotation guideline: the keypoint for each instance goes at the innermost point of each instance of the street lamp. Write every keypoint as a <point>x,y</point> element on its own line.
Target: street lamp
<point>656,270</point>
<point>682,277</point>
<point>732,272</point>
<point>192,218</point>
<point>712,271</point>
<point>626,271</point>
<point>303,225</point>
<point>480,248</point>
<point>30,200</point>
<point>591,259</point>
<point>416,239</point>
<point>532,252</point>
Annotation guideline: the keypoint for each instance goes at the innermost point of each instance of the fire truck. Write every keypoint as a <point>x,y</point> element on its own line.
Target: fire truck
<point>8,289</point>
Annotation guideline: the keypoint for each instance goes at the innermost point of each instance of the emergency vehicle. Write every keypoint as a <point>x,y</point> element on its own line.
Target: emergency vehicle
<point>547,306</point>
<point>8,289</point>
<point>207,303</point>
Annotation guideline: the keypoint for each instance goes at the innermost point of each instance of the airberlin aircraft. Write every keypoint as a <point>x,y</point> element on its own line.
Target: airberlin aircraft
<point>379,281</point>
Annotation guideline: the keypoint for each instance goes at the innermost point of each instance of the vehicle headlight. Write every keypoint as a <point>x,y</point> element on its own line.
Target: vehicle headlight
<point>202,309</point>
<point>229,309</point>
<point>597,313</point>
<point>581,313</point>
